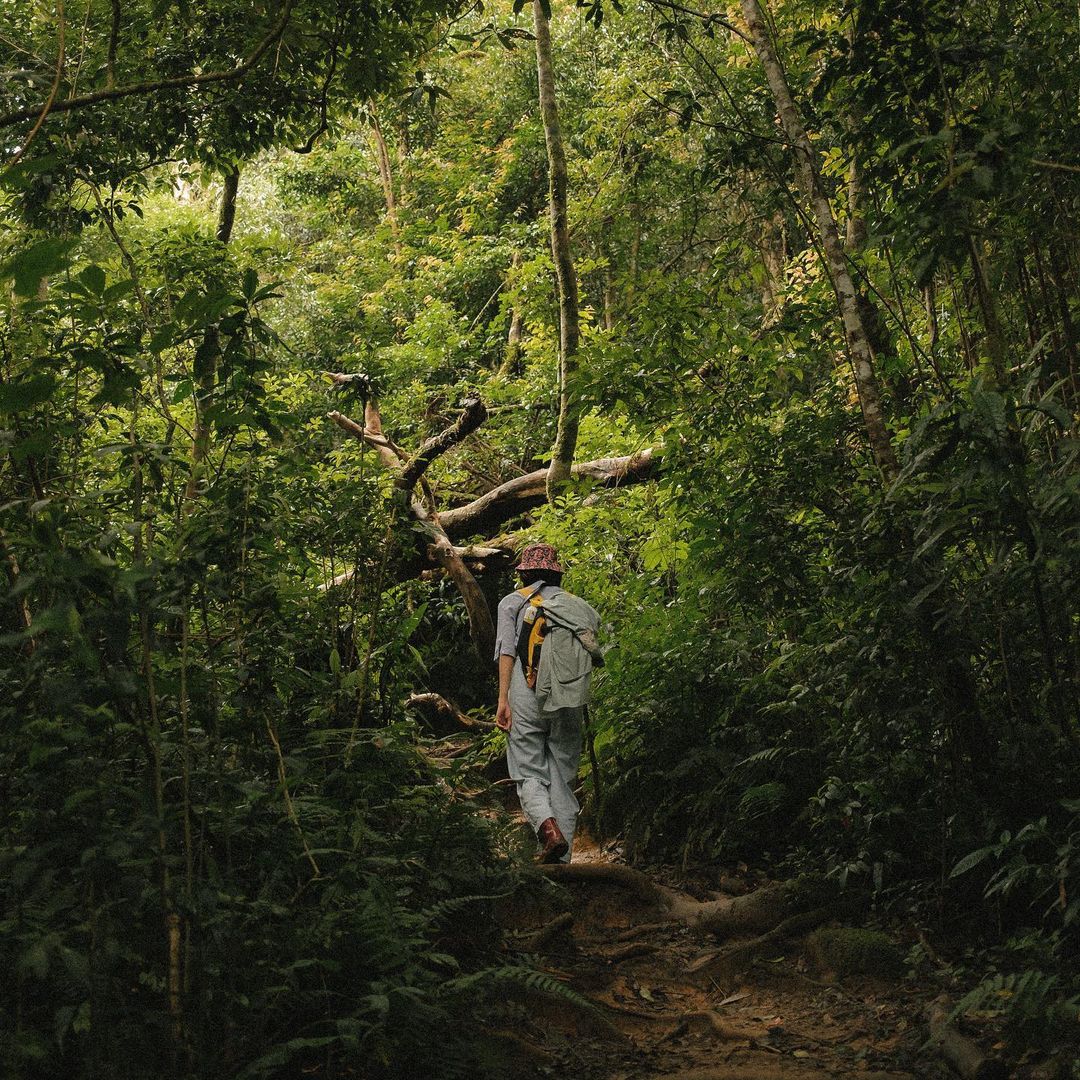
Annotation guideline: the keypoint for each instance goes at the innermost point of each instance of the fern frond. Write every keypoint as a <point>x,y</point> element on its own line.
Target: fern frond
<point>1027,1000</point>
<point>525,976</point>
<point>454,904</point>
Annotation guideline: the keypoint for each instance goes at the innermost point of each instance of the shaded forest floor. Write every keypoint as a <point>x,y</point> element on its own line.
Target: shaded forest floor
<point>650,991</point>
<point>658,1018</point>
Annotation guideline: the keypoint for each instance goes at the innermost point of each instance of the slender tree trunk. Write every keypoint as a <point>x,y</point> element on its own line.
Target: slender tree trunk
<point>772,244</point>
<point>609,278</point>
<point>808,171</point>
<point>609,298</point>
<point>994,340</point>
<point>386,176</point>
<point>512,356</point>
<point>856,234</point>
<point>227,212</point>
<point>1069,365</point>
<point>562,453</point>
<point>208,354</point>
<point>930,304</point>
<point>13,572</point>
<point>856,223</point>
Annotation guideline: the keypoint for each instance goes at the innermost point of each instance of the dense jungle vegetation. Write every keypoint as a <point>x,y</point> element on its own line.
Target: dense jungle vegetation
<point>816,289</point>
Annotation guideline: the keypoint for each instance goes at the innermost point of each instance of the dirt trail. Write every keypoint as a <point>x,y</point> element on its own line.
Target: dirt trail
<point>666,1008</point>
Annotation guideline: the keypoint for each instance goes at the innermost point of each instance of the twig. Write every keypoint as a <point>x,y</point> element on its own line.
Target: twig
<point>179,82</point>
<point>289,808</point>
<point>706,17</point>
<point>1055,165</point>
<point>60,34</point>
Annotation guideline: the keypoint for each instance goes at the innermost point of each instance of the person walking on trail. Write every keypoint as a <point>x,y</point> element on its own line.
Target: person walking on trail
<point>546,648</point>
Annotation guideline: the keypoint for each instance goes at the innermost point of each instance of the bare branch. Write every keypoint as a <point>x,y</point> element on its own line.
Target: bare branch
<point>441,549</point>
<point>371,434</point>
<point>524,493</point>
<point>444,714</point>
<point>472,416</point>
<point>177,83</point>
<point>60,34</point>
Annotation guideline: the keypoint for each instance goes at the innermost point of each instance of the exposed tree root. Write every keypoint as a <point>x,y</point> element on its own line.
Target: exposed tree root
<point>763,909</point>
<point>788,972</point>
<point>678,1021</point>
<point>640,931</point>
<point>546,934</point>
<point>745,951</point>
<point>631,951</point>
<point>624,877</point>
<point>708,1022</point>
<point>781,1071</point>
<point>581,1014</point>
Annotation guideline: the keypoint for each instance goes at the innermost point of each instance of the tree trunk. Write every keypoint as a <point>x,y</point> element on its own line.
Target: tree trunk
<point>382,161</point>
<point>772,244</point>
<point>493,509</point>
<point>994,337</point>
<point>807,168</point>
<point>208,354</point>
<point>856,233</point>
<point>512,357</point>
<point>410,472</point>
<point>562,453</point>
<point>856,223</point>
<point>609,278</point>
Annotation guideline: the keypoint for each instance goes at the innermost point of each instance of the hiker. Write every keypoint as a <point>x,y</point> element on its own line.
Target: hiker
<point>546,648</point>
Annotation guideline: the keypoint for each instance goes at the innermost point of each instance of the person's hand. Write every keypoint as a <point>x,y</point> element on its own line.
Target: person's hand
<point>503,719</point>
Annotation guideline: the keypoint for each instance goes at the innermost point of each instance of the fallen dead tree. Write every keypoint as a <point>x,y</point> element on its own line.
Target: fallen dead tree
<point>443,716</point>
<point>479,558</point>
<point>525,493</point>
<point>410,471</point>
<point>483,514</point>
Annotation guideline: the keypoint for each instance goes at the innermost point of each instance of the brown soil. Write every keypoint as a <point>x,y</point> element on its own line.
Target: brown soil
<point>652,1015</point>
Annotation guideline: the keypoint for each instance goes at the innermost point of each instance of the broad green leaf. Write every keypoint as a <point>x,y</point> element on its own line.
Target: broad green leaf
<point>970,861</point>
<point>30,267</point>
<point>24,394</point>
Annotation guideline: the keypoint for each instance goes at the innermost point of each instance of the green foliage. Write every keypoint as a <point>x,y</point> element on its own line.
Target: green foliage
<point>1040,863</point>
<point>1032,1004</point>
<point>876,683</point>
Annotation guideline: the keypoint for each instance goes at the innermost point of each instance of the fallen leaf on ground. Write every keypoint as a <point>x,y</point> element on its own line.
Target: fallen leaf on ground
<point>735,997</point>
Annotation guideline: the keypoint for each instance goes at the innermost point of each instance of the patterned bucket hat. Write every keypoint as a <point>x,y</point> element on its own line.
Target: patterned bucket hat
<point>539,557</point>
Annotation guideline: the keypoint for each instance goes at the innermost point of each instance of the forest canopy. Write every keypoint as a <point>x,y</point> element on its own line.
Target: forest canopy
<point>313,315</point>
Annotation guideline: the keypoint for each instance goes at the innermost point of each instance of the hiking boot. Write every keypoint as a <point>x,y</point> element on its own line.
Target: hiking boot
<point>555,846</point>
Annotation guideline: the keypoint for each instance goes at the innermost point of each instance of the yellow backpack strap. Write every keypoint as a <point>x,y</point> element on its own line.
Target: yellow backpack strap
<point>537,631</point>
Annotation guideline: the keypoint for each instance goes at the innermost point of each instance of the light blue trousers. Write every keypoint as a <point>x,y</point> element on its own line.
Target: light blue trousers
<point>542,754</point>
